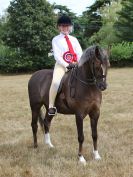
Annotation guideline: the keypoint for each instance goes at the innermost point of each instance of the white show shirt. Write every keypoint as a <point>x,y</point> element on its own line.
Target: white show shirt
<point>60,46</point>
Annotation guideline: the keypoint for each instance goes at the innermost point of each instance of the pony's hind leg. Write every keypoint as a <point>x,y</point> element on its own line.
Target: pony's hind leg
<point>94,116</point>
<point>47,122</point>
<point>34,126</point>
<point>79,123</point>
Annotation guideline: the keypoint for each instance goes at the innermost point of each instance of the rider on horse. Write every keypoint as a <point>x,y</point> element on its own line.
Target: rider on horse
<point>67,52</point>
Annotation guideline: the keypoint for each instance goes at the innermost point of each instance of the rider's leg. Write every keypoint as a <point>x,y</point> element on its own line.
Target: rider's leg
<point>58,73</point>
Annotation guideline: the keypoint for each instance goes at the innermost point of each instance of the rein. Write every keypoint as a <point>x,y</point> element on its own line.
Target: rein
<point>88,81</point>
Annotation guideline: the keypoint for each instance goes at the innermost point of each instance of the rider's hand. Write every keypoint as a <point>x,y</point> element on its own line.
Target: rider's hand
<point>71,65</point>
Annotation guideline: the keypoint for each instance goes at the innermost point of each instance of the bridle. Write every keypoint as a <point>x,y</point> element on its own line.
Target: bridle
<point>88,81</point>
<point>94,72</point>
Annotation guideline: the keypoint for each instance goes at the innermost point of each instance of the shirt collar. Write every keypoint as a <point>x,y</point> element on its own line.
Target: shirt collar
<point>63,35</point>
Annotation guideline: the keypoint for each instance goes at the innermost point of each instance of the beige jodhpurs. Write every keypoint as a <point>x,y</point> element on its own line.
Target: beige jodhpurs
<point>58,74</point>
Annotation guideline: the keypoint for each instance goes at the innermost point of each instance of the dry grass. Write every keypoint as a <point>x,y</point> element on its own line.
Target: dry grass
<point>19,159</point>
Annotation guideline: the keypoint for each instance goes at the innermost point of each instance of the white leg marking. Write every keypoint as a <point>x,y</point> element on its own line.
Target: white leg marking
<point>96,155</point>
<point>47,140</point>
<point>82,160</point>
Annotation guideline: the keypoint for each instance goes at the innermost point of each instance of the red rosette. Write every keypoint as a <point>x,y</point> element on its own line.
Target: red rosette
<point>68,57</point>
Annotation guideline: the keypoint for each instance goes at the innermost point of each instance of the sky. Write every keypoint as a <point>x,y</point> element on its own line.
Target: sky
<point>76,7</point>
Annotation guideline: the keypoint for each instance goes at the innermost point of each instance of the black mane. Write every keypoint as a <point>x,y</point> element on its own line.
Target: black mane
<point>91,53</point>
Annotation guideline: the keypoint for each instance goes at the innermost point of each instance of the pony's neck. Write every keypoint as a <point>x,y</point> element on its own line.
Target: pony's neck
<point>85,71</point>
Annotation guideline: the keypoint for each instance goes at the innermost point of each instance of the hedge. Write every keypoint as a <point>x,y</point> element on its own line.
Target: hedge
<point>11,60</point>
<point>122,54</point>
<point>14,61</point>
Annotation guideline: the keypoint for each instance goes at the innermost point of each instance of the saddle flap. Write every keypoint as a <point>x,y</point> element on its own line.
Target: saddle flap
<point>71,82</point>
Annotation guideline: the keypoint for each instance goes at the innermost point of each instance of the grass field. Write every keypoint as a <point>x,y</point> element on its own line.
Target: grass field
<point>115,128</point>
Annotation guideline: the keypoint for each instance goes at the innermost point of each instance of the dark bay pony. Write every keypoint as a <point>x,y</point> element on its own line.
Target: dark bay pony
<point>80,95</point>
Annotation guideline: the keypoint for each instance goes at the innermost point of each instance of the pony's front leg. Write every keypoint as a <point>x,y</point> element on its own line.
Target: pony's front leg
<point>94,116</point>
<point>79,123</point>
<point>47,123</point>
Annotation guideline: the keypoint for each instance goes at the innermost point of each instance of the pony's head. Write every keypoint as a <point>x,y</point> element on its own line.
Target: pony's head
<point>96,61</point>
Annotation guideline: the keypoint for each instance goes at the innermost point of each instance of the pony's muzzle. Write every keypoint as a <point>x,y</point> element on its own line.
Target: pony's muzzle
<point>102,86</point>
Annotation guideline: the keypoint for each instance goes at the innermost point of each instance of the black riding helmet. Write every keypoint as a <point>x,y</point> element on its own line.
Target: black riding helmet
<point>64,20</point>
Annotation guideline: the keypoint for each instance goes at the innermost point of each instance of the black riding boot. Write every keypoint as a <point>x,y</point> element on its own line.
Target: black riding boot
<point>52,111</point>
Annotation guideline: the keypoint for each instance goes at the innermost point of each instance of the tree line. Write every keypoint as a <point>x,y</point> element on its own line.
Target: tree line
<point>26,31</point>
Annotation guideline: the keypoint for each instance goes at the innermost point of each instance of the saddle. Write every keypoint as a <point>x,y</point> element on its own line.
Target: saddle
<point>71,82</point>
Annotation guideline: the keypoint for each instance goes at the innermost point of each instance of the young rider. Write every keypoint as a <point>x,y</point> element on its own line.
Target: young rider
<point>67,51</point>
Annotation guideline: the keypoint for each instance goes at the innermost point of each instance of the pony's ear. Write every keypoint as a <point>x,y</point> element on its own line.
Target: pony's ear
<point>97,52</point>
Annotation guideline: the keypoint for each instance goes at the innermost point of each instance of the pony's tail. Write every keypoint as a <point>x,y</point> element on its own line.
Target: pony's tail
<point>41,120</point>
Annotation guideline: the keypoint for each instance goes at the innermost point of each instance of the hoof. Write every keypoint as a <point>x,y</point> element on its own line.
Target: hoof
<point>96,155</point>
<point>98,158</point>
<point>50,145</point>
<point>35,145</point>
<point>48,141</point>
<point>82,160</point>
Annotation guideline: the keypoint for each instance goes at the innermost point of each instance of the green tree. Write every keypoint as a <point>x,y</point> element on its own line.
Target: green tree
<point>63,10</point>
<point>94,19</point>
<point>124,24</point>
<point>3,20</point>
<point>31,26</point>
<point>79,28</point>
<point>107,34</point>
